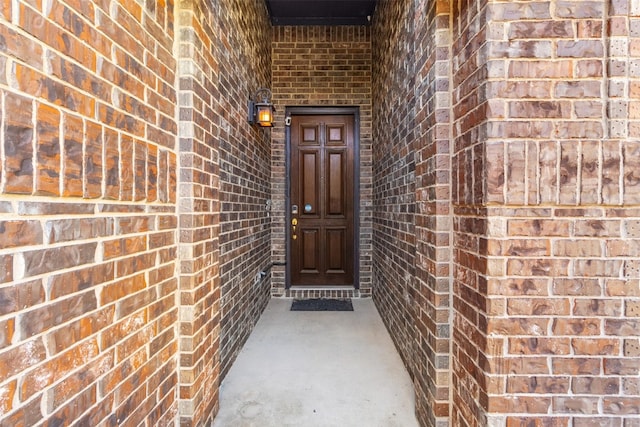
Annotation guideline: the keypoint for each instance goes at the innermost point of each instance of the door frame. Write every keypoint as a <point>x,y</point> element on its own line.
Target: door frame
<point>323,111</point>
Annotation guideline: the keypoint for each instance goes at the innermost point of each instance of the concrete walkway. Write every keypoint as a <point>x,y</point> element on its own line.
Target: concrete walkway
<point>317,369</point>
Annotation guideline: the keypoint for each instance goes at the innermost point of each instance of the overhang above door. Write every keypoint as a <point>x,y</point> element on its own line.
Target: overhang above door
<point>321,12</point>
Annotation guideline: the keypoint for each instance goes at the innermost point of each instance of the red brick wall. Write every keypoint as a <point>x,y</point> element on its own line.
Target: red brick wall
<point>130,242</point>
<point>199,264</point>
<point>562,186</point>
<point>432,52</point>
<point>470,70</point>
<point>321,66</point>
<point>225,168</point>
<point>87,213</point>
<point>412,209</point>
<point>394,172</point>
<point>544,207</point>
<point>245,174</point>
<point>545,202</point>
<point>112,236</point>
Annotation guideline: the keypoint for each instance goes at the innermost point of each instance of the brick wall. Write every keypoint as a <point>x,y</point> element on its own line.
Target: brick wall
<point>394,172</point>
<point>112,235</point>
<point>245,174</point>
<point>505,138</point>
<point>224,173</point>
<point>543,207</point>
<point>199,263</point>
<point>87,213</point>
<point>412,209</point>
<point>321,66</point>
<point>432,52</point>
<point>469,72</point>
<point>545,202</point>
<point>562,188</point>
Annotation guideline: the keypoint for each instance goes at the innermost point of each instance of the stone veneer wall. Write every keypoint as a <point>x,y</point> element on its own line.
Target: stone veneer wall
<point>320,66</point>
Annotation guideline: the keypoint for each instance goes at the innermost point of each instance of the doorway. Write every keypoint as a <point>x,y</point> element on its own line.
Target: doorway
<point>322,202</point>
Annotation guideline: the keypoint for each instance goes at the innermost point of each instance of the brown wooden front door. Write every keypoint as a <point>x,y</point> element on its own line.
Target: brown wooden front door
<point>322,177</point>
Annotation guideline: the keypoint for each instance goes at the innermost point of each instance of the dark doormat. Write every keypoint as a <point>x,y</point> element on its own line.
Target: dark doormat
<point>321,304</point>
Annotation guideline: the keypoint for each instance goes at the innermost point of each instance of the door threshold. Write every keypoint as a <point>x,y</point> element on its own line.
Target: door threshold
<point>320,288</point>
<point>305,292</point>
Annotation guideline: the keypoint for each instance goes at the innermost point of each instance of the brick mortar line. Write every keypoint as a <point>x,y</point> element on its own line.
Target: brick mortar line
<point>18,250</point>
<point>48,275</point>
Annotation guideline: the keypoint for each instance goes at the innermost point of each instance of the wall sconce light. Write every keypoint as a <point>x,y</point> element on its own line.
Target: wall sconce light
<point>261,109</point>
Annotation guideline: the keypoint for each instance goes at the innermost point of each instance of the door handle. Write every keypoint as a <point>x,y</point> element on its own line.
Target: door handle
<point>294,223</point>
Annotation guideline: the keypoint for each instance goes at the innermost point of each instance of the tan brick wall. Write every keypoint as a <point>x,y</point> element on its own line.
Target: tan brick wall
<point>87,213</point>
<point>321,66</point>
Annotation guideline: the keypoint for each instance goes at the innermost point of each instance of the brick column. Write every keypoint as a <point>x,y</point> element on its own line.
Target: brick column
<point>433,211</point>
<point>547,279</point>
<point>199,207</point>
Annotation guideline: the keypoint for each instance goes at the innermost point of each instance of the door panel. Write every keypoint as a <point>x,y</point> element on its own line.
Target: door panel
<point>310,134</point>
<point>336,245</point>
<point>336,184</point>
<point>310,182</point>
<point>322,189</point>
<point>310,247</point>
<point>336,134</point>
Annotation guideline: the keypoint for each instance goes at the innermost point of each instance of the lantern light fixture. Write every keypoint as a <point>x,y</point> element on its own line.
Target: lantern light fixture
<point>260,109</point>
